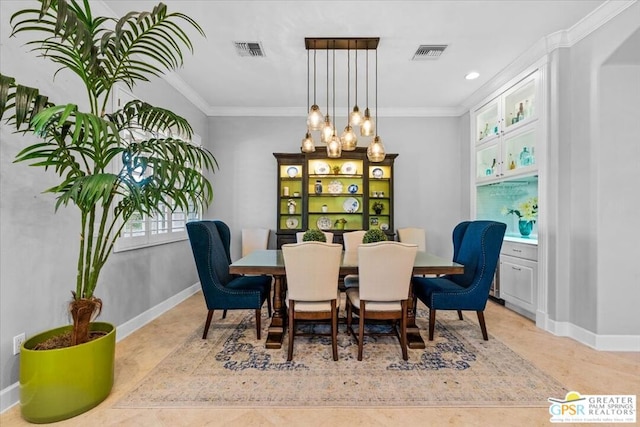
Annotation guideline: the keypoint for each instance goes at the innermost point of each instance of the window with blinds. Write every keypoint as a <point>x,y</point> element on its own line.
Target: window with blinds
<point>168,226</point>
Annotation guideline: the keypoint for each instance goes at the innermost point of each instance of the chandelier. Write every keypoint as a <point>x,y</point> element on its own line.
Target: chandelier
<point>327,124</point>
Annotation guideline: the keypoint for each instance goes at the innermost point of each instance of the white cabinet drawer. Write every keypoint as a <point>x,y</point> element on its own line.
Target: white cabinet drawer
<point>518,282</point>
<point>519,250</point>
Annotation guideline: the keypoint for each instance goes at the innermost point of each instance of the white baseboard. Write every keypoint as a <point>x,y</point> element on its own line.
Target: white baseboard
<point>139,321</point>
<point>595,341</point>
<point>10,396</point>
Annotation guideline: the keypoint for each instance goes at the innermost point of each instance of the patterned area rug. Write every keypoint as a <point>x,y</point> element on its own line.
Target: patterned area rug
<point>232,369</point>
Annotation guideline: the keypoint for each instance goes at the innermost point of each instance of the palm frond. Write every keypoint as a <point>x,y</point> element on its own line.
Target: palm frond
<point>24,101</point>
<point>146,117</point>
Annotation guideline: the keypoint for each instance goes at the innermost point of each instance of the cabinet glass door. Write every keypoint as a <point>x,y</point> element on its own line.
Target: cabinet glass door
<point>488,122</point>
<point>520,152</point>
<point>520,103</point>
<point>487,162</point>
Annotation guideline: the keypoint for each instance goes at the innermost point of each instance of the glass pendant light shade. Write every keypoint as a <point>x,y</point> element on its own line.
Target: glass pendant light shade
<point>307,144</point>
<point>327,130</point>
<point>334,147</point>
<point>375,150</point>
<point>315,118</point>
<point>367,128</point>
<point>355,118</point>
<point>349,139</point>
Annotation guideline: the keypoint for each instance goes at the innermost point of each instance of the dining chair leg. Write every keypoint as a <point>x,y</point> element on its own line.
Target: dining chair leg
<point>403,331</point>
<point>334,330</point>
<point>224,314</point>
<point>483,327</point>
<point>258,326</point>
<point>269,300</point>
<point>291,331</point>
<point>349,316</point>
<point>460,314</point>
<point>361,330</point>
<point>207,324</point>
<point>432,322</point>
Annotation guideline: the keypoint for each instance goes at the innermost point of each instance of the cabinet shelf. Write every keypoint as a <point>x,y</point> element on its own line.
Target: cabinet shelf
<point>309,205</point>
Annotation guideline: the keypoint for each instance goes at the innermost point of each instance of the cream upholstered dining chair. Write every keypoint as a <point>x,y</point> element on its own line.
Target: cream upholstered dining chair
<point>413,235</point>
<point>254,239</point>
<point>327,234</point>
<point>352,240</point>
<point>384,270</point>
<point>312,270</point>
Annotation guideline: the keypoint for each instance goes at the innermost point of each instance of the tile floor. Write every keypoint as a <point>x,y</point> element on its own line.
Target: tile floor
<point>575,365</point>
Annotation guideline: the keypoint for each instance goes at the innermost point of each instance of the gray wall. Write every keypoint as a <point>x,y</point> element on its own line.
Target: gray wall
<point>429,182</point>
<point>38,249</point>
<point>594,174</point>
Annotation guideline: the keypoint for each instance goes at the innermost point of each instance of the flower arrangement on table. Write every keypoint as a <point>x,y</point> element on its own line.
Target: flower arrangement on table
<point>527,213</point>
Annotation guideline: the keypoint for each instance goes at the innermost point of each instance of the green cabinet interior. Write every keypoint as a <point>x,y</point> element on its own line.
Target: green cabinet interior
<point>349,189</point>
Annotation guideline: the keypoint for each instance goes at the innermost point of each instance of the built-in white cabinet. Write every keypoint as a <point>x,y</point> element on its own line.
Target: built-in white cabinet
<point>506,132</point>
<point>508,141</point>
<point>519,277</point>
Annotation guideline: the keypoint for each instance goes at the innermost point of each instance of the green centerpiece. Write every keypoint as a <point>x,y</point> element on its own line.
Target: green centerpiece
<point>374,235</point>
<point>314,235</point>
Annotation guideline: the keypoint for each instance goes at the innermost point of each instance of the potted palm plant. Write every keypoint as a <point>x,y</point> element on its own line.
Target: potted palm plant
<point>104,172</point>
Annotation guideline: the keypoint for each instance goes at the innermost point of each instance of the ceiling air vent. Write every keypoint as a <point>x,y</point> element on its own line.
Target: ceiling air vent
<point>429,51</point>
<point>249,49</point>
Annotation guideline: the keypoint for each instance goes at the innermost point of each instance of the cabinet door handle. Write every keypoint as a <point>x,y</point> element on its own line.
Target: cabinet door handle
<point>516,268</point>
<point>516,250</point>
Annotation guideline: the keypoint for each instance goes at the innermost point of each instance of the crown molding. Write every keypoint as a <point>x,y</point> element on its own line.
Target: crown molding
<point>302,112</point>
<point>536,53</point>
<point>560,39</point>
<point>187,91</point>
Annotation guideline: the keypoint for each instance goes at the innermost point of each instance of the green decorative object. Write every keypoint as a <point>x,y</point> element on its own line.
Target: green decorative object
<point>62,383</point>
<point>314,236</point>
<point>374,235</point>
<point>377,207</point>
<point>340,223</point>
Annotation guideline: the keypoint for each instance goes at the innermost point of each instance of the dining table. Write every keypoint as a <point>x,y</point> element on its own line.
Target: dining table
<point>271,262</point>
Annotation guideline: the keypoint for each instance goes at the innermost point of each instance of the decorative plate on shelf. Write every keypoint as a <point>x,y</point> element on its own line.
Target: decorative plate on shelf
<point>351,205</point>
<point>348,168</point>
<point>322,168</point>
<point>377,173</point>
<point>292,171</point>
<point>292,222</point>
<point>384,226</point>
<point>353,189</point>
<point>335,187</point>
<point>324,223</point>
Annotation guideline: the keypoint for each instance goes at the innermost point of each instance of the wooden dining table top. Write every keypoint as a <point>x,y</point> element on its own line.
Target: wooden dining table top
<point>270,261</point>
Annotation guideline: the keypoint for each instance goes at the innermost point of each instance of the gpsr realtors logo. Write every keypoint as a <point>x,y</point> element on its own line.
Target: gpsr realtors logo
<point>606,408</point>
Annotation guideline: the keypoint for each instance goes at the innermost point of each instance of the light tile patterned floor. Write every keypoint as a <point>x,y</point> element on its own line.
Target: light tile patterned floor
<point>575,365</point>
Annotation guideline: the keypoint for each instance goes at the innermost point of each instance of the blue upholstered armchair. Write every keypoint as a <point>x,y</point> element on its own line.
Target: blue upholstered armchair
<point>223,291</point>
<point>476,245</point>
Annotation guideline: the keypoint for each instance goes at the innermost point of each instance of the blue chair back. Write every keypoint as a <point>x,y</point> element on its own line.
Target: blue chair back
<point>209,253</point>
<point>225,236</point>
<point>477,246</point>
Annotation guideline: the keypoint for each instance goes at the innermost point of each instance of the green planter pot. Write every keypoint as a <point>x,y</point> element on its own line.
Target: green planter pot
<point>62,383</point>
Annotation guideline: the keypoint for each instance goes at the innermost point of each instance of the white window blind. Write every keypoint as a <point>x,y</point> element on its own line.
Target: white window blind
<point>143,230</point>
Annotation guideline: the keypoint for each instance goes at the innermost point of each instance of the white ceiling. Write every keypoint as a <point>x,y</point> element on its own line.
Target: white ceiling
<point>485,36</point>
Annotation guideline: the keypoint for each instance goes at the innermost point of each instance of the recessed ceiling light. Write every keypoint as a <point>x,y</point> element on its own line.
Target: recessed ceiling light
<point>472,75</point>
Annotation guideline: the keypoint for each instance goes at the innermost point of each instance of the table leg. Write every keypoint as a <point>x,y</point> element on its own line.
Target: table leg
<point>275,335</point>
<point>414,339</point>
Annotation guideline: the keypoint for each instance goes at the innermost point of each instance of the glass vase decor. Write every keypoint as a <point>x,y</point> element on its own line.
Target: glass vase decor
<point>525,227</point>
